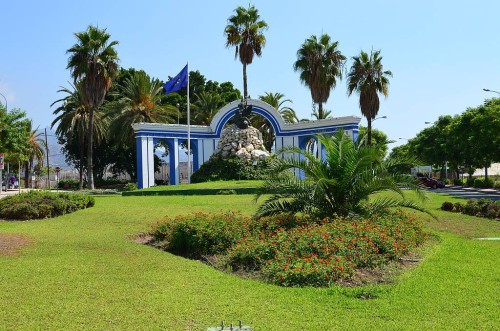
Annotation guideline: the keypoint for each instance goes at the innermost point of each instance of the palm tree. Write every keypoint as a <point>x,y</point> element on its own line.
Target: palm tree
<point>34,151</point>
<point>368,78</point>
<point>72,121</point>
<point>206,106</point>
<point>245,31</point>
<point>339,184</point>
<point>140,101</point>
<point>320,64</point>
<point>94,61</point>
<point>276,100</point>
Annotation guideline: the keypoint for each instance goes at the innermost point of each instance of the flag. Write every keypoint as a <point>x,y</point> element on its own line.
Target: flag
<point>178,82</point>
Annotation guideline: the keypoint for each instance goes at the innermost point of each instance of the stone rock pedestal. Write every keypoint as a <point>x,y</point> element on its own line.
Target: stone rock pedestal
<point>243,143</point>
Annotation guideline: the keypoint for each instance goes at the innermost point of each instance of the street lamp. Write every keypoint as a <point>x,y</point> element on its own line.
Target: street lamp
<point>378,118</point>
<point>486,90</point>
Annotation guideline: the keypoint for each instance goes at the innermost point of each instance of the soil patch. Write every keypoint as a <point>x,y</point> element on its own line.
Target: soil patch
<point>11,244</point>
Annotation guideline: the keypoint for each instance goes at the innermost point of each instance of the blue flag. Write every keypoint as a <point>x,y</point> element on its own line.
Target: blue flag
<point>178,82</point>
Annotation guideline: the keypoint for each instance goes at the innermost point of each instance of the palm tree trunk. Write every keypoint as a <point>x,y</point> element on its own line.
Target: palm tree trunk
<point>80,185</point>
<point>30,170</point>
<point>245,88</point>
<point>320,110</point>
<point>369,130</point>
<point>26,174</point>
<point>90,172</point>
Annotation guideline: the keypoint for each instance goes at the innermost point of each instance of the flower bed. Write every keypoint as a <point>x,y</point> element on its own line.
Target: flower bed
<point>292,250</point>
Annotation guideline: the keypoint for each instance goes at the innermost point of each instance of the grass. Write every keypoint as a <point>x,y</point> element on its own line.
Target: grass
<point>81,271</point>
<point>221,185</point>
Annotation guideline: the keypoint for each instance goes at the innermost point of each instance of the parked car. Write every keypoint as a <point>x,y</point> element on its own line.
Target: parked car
<point>431,182</point>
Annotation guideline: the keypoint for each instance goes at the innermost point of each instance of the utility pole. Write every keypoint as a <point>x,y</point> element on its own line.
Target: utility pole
<point>48,166</point>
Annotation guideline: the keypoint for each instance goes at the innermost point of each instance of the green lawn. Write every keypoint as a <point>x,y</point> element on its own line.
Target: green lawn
<point>81,271</point>
<point>223,185</point>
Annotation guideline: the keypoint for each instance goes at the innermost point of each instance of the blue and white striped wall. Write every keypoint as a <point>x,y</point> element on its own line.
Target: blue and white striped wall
<point>204,139</point>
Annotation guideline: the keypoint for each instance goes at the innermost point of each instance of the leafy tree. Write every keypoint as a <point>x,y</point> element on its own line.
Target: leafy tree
<point>340,184</point>
<point>379,139</point>
<point>401,160</point>
<point>244,31</point>
<point>430,144</point>
<point>368,78</point>
<point>320,64</point>
<point>94,61</point>
<point>483,141</point>
<point>14,133</point>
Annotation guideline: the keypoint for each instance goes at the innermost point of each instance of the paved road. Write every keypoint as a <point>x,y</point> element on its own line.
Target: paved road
<point>469,192</point>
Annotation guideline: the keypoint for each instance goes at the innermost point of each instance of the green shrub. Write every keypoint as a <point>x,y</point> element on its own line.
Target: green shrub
<point>110,181</point>
<point>226,192</point>
<point>447,206</point>
<point>130,187</point>
<point>458,207</point>
<point>458,181</point>
<point>469,182</point>
<point>483,182</point>
<point>496,184</point>
<point>233,168</point>
<point>493,210</point>
<point>37,205</point>
<point>292,250</point>
<point>68,184</point>
<point>481,208</point>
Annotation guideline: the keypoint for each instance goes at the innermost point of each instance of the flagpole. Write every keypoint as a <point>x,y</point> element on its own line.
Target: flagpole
<point>189,129</point>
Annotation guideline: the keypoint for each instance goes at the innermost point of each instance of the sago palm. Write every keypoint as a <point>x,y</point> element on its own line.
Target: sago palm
<point>339,184</point>
<point>94,61</point>
<point>244,31</point>
<point>368,78</point>
<point>320,65</point>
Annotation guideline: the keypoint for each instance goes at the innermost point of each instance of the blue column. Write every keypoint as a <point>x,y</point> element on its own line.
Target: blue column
<point>196,154</point>
<point>140,181</point>
<point>173,153</point>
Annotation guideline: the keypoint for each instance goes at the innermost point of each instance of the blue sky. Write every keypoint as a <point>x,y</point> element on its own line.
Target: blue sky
<point>442,53</point>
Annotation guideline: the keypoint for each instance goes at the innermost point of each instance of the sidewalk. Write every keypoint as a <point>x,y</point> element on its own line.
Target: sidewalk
<point>474,189</point>
<point>4,194</point>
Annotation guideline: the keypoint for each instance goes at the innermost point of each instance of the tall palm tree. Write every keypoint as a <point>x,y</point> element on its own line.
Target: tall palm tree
<point>320,64</point>
<point>245,31</point>
<point>206,106</point>
<point>34,151</point>
<point>341,183</point>
<point>140,101</point>
<point>72,121</point>
<point>368,78</point>
<point>94,61</point>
